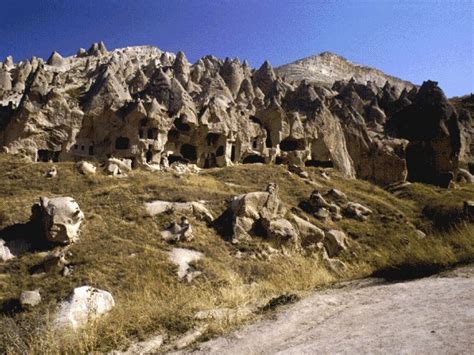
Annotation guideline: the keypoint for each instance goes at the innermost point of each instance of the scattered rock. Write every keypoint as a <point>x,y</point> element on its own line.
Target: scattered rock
<point>182,258</point>
<point>309,233</point>
<point>178,232</point>
<point>5,253</point>
<point>149,346</point>
<point>51,172</point>
<point>197,209</point>
<point>86,303</point>
<point>279,301</point>
<point>335,241</point>
<point>118,167</point>
<point>59,217</point>
<point>335,265</point>
<point>190,337</point>
<point>357,211</point>
<point>86,168</point>
<point>30,299</point>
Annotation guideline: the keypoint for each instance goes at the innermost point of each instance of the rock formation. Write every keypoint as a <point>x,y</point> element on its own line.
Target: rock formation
<point>60,219</point>
<point>152,107</point>
<point>85,303</point>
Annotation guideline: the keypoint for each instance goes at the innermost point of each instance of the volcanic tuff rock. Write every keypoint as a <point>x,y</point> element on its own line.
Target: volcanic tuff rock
<point>327,67</point>
<point>150,106</point>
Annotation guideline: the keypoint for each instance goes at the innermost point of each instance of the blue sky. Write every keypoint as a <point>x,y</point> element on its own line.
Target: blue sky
<point>415,40</point>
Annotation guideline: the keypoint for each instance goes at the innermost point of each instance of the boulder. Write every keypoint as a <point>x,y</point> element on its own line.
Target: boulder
<point>357,211</point>
<point>250,209</point>
<point>464,176</point>
<point>51,172</point>
<point>118,167</point>
<point>197,209</point>
<point>30,299</point>
<point>86,168</point>
<point>335,242</point>
<point>308,232</point>
<point>178,231</point>
<point>279,229</point>
<point>60,218</point>
<point>86,303</point>
<point>5,253</point>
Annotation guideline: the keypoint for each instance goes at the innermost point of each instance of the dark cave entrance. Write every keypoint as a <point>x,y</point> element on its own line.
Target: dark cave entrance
<point>188,152</point>
<point>290,144</point>
<point>253,158</point>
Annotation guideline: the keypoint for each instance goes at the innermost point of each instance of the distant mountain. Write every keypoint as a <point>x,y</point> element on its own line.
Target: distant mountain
<point>327,67</point>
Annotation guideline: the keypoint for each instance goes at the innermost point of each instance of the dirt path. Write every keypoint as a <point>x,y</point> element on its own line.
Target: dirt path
<point>434,315</point>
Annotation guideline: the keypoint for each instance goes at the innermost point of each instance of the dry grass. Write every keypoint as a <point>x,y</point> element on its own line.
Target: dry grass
<point>120,250</point>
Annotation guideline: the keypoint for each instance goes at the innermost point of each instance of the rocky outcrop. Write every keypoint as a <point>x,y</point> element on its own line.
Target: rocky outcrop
<point>153,107</point>
<point>432,127</point>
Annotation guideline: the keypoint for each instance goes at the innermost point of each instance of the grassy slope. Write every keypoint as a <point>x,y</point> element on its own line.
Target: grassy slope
<point>120,249</point>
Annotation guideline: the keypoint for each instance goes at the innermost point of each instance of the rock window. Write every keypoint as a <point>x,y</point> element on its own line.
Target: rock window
<point>255,143</point>
<point>232,153</point>
<point>220,151</point>
<point>152,133</point>
<point>91,150</point>
<point>212,138</point>
<point>122,143</point>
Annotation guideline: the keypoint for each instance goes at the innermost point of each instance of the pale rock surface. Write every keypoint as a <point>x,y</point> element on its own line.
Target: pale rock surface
<point>85,304</point>
<point>182,258</point>
<point>335,242</point>
<point>86,168</point>
<point>5,253</point>
<point>196,208</point>
<point>59,217</point>
<point>30,299</point>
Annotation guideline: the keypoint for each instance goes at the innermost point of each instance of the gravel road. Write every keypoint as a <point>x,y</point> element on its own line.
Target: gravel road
<point>433,315</point>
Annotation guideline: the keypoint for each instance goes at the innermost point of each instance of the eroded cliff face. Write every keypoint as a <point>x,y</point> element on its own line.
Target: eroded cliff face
<point>143,104</point>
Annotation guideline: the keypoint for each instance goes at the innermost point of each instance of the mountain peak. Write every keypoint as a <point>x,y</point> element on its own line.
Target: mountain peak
<point>328,67</point>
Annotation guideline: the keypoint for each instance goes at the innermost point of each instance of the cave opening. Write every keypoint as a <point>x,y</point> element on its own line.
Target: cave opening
<point>290,144</point>
<point>253,158</point>
<point>188,152</point>
<point>46,155</point>
<point>180,125</point>
<point>319,163</point>
<point>210,161</point>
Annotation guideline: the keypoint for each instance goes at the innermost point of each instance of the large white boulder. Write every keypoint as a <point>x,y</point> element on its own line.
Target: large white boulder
<point>5,253</point>
<point>60,218</point>
<point>86,303</point>
<point>30,299</point>
<point>86,168</point>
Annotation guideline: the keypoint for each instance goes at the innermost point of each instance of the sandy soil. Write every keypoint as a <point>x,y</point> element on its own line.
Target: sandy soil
<point>434,315</point>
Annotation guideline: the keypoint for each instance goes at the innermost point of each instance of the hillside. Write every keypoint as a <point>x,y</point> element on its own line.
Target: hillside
<point>120,249</point>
